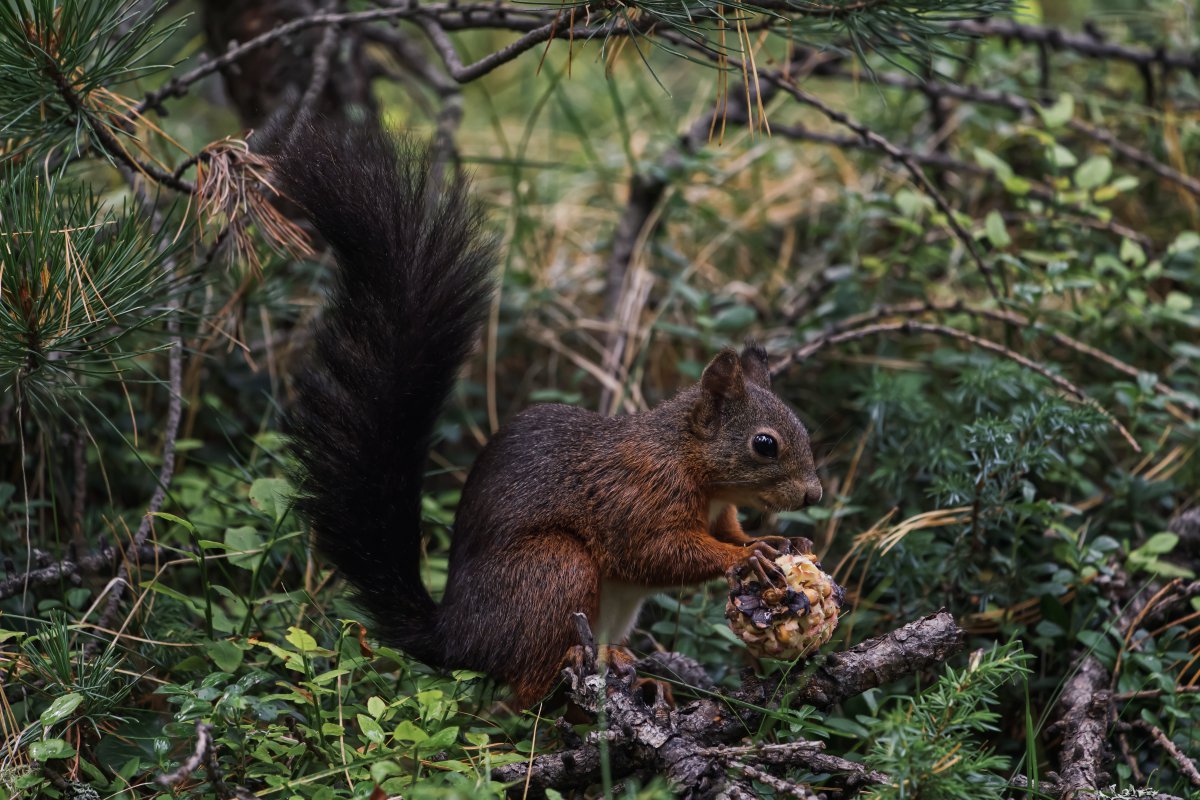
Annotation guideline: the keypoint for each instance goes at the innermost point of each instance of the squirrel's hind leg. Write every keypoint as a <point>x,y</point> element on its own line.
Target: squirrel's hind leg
<point>525,608</point>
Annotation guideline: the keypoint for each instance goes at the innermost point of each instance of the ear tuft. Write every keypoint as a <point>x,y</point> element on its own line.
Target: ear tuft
<point>723,377</point>
<point>754,364</point>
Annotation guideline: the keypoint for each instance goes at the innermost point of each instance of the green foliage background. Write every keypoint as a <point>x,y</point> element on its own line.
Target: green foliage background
<point>954,477</point>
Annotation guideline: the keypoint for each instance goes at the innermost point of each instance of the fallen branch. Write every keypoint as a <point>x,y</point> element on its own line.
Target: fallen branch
<point>917,646</point>
<point>1086,705</point>
<point>690,745</point>
<point>70,570</point>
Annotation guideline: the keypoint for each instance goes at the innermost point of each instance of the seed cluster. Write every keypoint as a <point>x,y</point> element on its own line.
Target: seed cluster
<point>784,623</point>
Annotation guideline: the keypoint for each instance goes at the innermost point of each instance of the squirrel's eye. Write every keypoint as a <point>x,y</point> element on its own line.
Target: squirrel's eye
<point>765,445</point>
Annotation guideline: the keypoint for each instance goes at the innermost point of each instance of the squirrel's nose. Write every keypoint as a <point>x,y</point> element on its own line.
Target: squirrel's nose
<point>813,494</point>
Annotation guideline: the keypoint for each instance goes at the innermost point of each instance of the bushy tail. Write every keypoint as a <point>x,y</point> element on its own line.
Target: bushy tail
<point>412,285</point>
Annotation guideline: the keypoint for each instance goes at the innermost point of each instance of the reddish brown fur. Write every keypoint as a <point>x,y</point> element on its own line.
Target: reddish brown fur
<point>562,499</point>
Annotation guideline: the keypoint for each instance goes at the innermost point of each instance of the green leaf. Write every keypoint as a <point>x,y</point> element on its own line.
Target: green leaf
<point>62,707</point>
<point>442,739</point>
<point>1178,301</point>
<point>1160,543</point>
<point>735,319</point>
<point>1058,114</point>
<point>370,729</point>
<point>408,732</point>
<point>997,233</point>
<point>1188,240</point>
<point>1060,157</point>
<point>1093,172</point>
<point>1165,569</point>
<point>990,161</point>
<point>225,654</point>
<point>272,495</point>
<point>50,748</point>
<point>301,640</point>
<point>172,518</point>
<point>376,706</point>
<point>246,542</point>
<point>1132,253</point>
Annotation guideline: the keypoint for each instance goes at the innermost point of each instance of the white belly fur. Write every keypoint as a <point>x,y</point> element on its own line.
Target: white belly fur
<point>619,606</point>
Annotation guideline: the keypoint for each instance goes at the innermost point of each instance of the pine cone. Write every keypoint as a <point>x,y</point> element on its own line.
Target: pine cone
<point>786,624</point>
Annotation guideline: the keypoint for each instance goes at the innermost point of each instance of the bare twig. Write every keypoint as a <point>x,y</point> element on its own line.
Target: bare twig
<point>321,60</point>
<point>1084,750</point>
<point>1082,43</point>
<point>71,570</point>
<point>1012,319</point>
<point>787,83</point>
<point>1150,694</point>
<point>910,326</point>
<point>1022,105</point>
<point>811,755</point>
<point>1185,764</point>
<point>192,762</point>
<point>205,753</point>
<point>767,779</point>
<point>905,159</point>
<point>446,16</point>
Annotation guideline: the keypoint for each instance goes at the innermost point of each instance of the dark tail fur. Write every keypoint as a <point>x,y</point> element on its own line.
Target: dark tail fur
<point>412,285</point>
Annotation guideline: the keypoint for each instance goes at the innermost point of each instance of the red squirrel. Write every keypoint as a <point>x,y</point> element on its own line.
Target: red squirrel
<point>565,510</point>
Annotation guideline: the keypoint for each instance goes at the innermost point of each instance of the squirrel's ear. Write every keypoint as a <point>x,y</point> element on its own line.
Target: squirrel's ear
<point>723,378</point>
<point>722,381</point>
<point>754,364</point>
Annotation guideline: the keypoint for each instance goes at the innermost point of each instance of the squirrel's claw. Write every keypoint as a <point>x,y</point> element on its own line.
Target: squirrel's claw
<point>768,571</point>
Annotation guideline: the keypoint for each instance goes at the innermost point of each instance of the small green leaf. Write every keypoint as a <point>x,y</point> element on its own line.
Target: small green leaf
<point>1060,157</point>
<point>60,709</point>
<point>408,732</point>
<point>1160,543</point>
<point>997,233</point>
<point>442,739</point>
<point>1132,253</point>
<point>1188,240</point>
<point>1058,114</point>
<point>1178,301</point>
<point>735,319</point>
<point>225,654</point>
<point>50,748</point>
<point>1093,172</point>
<point>246,542</point>
<point>272,495</point>
<point>376,706</point>
<point>370,729</point>
<point>990,161</point>
<point>172,518</point>
<point>301,640</point>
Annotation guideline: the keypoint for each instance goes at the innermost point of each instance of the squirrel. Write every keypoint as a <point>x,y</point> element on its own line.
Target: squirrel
<point>565,510</point>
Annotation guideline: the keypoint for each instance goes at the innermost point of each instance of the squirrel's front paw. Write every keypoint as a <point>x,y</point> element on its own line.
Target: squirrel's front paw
<point>759,562</point>
<point>785,545</point>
